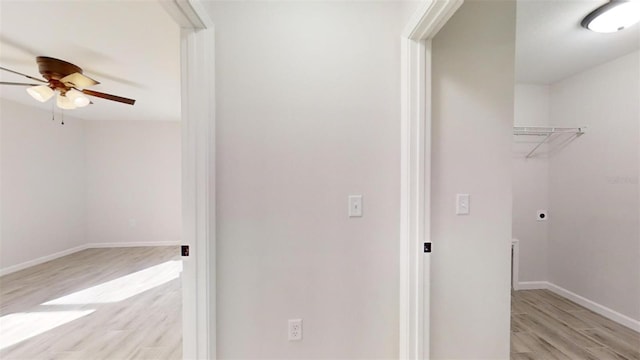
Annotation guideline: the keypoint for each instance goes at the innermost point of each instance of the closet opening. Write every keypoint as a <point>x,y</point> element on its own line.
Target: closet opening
<point>576,203</point>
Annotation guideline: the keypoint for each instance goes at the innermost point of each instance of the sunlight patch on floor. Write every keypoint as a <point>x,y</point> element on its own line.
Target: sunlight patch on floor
<point>21,326</point>
<point>123,287</point>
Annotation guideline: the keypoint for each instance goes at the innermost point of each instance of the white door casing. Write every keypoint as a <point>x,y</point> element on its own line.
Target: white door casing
<point>198,176</point>
<point>415,197</point>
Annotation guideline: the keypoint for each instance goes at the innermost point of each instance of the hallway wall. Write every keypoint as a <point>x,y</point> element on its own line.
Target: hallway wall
<point>308,113</point>
<point>473,94</point>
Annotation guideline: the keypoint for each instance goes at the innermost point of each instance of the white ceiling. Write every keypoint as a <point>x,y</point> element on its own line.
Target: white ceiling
<point>551,45</point>
<point>131,47</point>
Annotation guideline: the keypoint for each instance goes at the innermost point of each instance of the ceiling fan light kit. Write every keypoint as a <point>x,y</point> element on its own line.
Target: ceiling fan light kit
<point>41,93</point>
<point>613,16</point>
<point>64,102</point>
<point>67,81</point>
<point>77,98</point>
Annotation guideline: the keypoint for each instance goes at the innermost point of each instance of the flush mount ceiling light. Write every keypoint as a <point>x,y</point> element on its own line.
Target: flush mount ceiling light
<point>613,16</point>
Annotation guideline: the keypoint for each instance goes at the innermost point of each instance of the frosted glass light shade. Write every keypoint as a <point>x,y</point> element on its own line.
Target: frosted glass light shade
<point>64,102</point>
<point>41,93</point>
<point>78,98</point>
<point>613,16</point>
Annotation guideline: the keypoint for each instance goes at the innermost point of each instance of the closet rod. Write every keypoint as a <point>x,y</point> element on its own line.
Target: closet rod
<point>546,130</point>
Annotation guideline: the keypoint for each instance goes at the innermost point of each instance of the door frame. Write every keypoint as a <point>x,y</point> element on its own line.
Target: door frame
<point>198,175</point>
<point>197,80</point>
<point>415,175</point>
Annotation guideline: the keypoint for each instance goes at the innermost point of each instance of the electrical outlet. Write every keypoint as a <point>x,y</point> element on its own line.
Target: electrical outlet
<point>295,329</point>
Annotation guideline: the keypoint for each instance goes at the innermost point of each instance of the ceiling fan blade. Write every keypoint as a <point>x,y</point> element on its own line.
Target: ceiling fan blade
<point>78,80</point>
<point>25,75</point>
<point>109,97</point>
<point>17,84</point>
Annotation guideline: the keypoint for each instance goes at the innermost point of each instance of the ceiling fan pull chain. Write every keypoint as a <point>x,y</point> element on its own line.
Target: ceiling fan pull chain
<point>53,112</point>
<point>62,112</point>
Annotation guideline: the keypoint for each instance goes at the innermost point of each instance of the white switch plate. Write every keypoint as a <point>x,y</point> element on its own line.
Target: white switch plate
<point>355,205</point>
<point>295,329</point>
<point>462,204</point>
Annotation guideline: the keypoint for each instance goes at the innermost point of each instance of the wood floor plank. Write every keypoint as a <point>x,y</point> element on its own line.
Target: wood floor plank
<point>615,343</point>
<point>525,356</point>
<point>517,306</point>
<point>70,355</point>
<point>553,329</point>
<point>518,323</point>
<point>548,326</point>
<point>557,300</point>
<point>600,322</point>
<point>518,345</point>
<point>540,346</point>
<point>571,319</point>
<point>127,311</point>
<point>606,354</point>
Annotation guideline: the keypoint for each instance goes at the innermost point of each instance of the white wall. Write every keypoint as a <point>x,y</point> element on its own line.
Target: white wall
<point>113,183</point>
<point>133,182</point>
<point>594,231</point>
<point>43,181</point>
<point>307,113</point>
<point>473,67</point>
<point>530,182</point>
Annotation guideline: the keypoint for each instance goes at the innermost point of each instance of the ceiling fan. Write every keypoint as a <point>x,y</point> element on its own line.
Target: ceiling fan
<point>65,79</point>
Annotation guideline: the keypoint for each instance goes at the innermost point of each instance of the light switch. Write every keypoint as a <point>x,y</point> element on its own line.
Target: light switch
<point>355,205</point>
<point>462,204</point>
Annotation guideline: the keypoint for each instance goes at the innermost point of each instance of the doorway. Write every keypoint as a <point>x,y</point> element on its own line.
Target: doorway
<point>198,177</point>
<point>111,176</point>
<point>570,166</point>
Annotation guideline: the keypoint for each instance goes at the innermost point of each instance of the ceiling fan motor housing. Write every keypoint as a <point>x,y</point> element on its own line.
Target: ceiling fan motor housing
<point>55,69</point>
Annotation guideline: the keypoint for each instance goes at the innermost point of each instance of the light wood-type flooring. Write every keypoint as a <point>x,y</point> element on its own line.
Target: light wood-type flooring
<point>547,326</point>
<point>125,303</point>
<point>117,303</point>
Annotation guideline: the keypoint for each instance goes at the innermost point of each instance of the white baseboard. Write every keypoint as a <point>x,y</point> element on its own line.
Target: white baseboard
<point>532,285</point>
<point>40,260</point>
<point>131,244</point>
<point>597,308</point>
<point>515,264</point>
<point>44,259</point>
<point>581,300</point>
